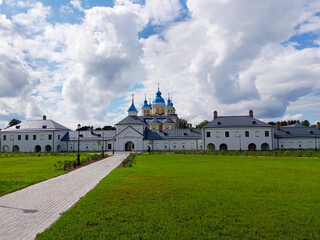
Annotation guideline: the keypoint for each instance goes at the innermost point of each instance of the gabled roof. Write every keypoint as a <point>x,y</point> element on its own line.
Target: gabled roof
<point>236,121</point>
<point>155,120</point>
<point>297,131</point>
<point>173,134</point>
<point>87,135</point>
<point>168,120</point>
<point>36,125</point>
<point>130,120</point>
<point>127,128</point>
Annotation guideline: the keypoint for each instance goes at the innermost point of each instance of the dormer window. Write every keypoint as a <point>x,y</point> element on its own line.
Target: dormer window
<point>254,122</point>
<point>185,134</point>
<point>99,135</point>
<point>80,135</point>
<point>287,132</point>
<point>44,126</point>
<point>219,123</point>
<point>18,127</point>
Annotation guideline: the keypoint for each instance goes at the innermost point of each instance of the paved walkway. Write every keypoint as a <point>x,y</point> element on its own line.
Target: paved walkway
<point>29,211</point>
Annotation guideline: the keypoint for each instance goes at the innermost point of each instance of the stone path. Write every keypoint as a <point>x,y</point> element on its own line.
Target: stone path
<point>29,211</point>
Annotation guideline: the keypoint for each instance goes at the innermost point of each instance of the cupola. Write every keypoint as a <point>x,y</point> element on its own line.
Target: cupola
<point>132,111</point>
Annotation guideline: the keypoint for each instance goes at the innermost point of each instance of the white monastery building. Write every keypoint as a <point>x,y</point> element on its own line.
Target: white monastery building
<point>157,129</point>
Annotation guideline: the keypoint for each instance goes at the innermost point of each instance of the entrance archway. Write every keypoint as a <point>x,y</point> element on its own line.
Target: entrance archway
<point>48,148</point>
<point>15,148</point>
<point>6,148</point>
<point>37,148</point>
<point>265,147</point>
<point>223,147</point>
<point>252,147</point>
<point>129,146</point>
<point>211,147</point>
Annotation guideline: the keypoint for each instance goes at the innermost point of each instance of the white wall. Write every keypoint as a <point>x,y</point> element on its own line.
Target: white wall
<point>237,137</point>
<point>173,144</point>
<point>42,140</point>
<point>297,143</point>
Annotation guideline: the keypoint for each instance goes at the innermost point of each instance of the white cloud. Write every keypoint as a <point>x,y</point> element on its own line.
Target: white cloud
<point>76,4</point>
<point>34,20</point>
<point>162,11</point>
<point>229,57</point>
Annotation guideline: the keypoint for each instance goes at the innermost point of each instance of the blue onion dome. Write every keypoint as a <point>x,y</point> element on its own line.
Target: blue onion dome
<point>169,103</point>
<point>132,107</point>
<point>145,105</point>
<point>158,99</point>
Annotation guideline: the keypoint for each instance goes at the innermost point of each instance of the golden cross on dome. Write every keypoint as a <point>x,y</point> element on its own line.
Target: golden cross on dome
<point>145,96</point>
<point>158,86</point>
<point>132,97</point>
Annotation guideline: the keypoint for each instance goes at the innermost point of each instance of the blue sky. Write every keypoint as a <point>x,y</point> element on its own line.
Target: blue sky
<point>80,61</point>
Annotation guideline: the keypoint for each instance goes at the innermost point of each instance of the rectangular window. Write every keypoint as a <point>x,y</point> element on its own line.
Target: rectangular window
<point>27,137</point>
<point>257,133</point>
<point>109,146</point>
<point>49,137</point>
<point>41,137</point>
<point>237,134</point>
<point>247,133</point>
<point>226,134</point>
<point>59,137</point>
<point>4,137</point>
<point>208,134</point>
<point>34,137</point>
<point>217,134</point>
<point>19,137</point>
<point>266,133</point>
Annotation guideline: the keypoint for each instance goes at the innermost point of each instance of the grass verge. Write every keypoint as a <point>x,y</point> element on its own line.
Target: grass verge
<point>199,197</point>
<point>19,170</point>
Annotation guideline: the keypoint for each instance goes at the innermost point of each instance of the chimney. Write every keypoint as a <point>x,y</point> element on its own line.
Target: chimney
<point>190,126</point>
<point>215,114</point>
<point>277,126</point>
<point>91,129</point>
<point>318,125</point>
<point>251,113</point>
<point>44,117</point>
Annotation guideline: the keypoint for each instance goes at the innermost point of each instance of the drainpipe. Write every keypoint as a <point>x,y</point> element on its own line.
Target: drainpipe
<point>53,141</point>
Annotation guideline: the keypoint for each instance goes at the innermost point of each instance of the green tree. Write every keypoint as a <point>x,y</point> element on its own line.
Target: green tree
<point>183,124</point>
<point>202,124</point>
<point>107,127</point>
<point>305,123</point>
<point>14,122</point>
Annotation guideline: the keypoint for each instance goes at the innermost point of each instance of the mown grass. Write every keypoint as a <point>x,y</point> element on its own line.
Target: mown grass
<point>21,170</point>
<point>199,197</point>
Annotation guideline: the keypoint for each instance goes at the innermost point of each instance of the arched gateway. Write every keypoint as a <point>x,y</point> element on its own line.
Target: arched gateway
<point>129,146</point>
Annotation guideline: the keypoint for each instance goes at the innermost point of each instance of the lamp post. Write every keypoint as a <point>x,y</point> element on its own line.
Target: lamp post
<point>113,146</point>
<point>78,155</point>
<point>103,145</point>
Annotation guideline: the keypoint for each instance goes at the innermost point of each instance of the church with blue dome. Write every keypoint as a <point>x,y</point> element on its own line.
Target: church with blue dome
<point>159,115</point>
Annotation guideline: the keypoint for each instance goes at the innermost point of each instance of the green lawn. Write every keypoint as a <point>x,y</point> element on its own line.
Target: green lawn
<point>17,172</point>
<point>200,197</point>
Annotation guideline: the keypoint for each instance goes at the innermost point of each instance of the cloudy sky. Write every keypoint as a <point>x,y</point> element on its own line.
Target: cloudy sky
<point>79,61</point>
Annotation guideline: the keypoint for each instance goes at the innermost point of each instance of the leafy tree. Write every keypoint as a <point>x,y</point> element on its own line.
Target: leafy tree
<point>202,124</point>
<point>305,123</point>
<point>14,122</point>
<point>83,128</point>
<point>107,127</point>
<point>183,124</point>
